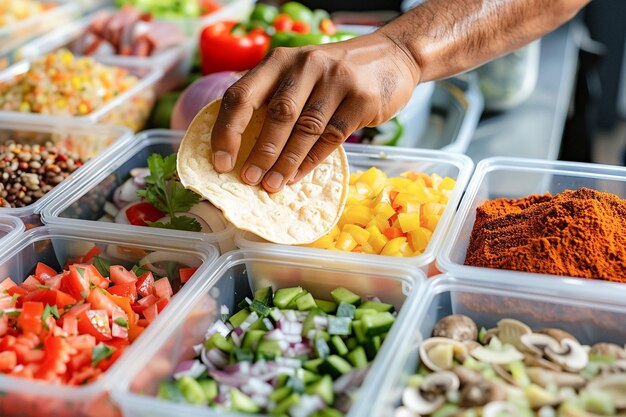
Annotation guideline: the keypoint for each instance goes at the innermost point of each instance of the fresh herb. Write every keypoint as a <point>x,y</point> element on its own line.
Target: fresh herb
<point>14,299</point>
<point>15,313</point>
<point>42,287</point>
<point>100,352</point>
<point>1,313</point>
<point>84,294</point>
<point>121,321</point>
<point>102,265</point>
<point>139,270</point>
<point>50,311</point>
<point>165,192</point>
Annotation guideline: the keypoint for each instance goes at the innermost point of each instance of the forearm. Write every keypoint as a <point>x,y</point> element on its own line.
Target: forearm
<point>446,37</point>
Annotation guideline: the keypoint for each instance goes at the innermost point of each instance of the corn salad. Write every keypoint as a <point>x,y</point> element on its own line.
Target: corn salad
<point>12,11</point>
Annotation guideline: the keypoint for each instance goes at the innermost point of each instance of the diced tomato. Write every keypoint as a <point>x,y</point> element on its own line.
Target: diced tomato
<point>44,272</point>
<point>150,313</point>
<point>163,288</point>
<point>7,342</point>
<point>186,273</point>
<point>63,299</point>
<point>120,275</point>
<point>106,363</point>
<point>4,325</point>
<point>81,360</point>
<point>16,290</point>
<point>140,213</point>
<point>5,301</point>
<point>31,283</point>
<point>145,284</point>
<point>8,361</point>
<point>127,290</point>
<point>76,283</point>
<point>162,303</point>
<point>99,301</point>
<point>94,251</point>
<point>393,232</point>
<point>82,342</point>
<point>84,376</point>
<point>33,355</point>
<point>6,284</point>
<point>44,295</point>
<point>70,326</point>
<point>57,355</point>
<point>119,326</point>
<point>95,323</point>
<point>144,303</point>
<point>134,332</point>
<point>95,277</point>
<point>30,317</point>
<point>55,281</point>
<point>143,323</point>
<point>76,311</point>
<point>124,304</point>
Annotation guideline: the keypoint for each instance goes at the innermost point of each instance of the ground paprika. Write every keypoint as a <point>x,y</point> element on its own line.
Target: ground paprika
<point>578,233</point>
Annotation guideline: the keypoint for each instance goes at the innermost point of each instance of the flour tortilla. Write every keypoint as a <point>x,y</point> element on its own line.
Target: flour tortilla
<point>300,213</point>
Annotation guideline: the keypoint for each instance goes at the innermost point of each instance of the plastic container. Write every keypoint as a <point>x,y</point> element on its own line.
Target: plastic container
<point>516,178</point>
<point>10,229</point>
<point>591,316</point>
<point>53,246</point>
<point>174,62</point>
<point>509,80</point>
<point>98,142</point>
<point>236,275</point>
<point>83,205</point>
<point>130,109</point>
<point>393,161</point>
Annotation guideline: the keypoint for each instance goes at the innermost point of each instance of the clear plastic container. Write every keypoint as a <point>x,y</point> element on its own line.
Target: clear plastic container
<point>53,246</point>
<point>509,80</point>
<point>236,276</point>
<point>501,177</point>
<point>130,109</point>
<point>98,142</point>
<point>83,204</point>
<point>10,229</point>
<point>594,315</point>
<point>175,62</point>
<point>393,161</point>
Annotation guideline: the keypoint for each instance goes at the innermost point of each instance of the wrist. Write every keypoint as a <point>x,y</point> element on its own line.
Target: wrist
<point>402,48</point>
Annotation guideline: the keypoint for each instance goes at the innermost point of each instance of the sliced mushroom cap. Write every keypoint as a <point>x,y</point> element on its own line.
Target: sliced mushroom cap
<point>489,334</point>
<point>467,376</point>
<point>537,343</point>
<point>570,355</point>
<point>608,349</point>
<point>457,326</point>
<point>404,412</point>
<point>618,367</point>
<point>556,334</point>
<point>614,385</point>
<point>510,331</point>
<point>508,354</point>
<point>503,373</point>
<point>440,383</point>
<point>545,377</point>
<point>439,353</point>
<point>538,361</point>
<point>499,408</point>
<point>421,403</point>
<point>481,393</point>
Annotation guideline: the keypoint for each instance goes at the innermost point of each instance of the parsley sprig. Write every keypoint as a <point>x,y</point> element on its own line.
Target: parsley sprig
<point>165,192</point>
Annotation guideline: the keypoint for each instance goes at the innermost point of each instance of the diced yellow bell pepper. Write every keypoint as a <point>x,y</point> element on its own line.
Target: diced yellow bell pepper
<point>363,189</point>
<point>409,221</point>
<point>412,207</point>
<point>433,208</point>
<point>354,177</point>
<point>392,248</point>
<point>403,198</point>
<point>358,233</point>
<point>431,222</point>
<point>374,178</point>
<point>405,250</point>
<point>345,242</point>
<point>368,248</point>
<point>378,242</point>
<point>419,238</point>
<point>323,242</point>
<point>447,184</point>
<point>334,232</point>
<point>384,210</point>
<point>436,181</point>
<point>360,215</point>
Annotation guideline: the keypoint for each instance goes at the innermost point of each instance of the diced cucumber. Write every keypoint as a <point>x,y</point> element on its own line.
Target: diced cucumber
<point>306,302</point>
<point>338,346</point>
<point>358,358</point>
<point>239,317</point>
<point>346,310</point>
<point>281,380</point>
<point>322,350</point>
<point>357,326</point>
<point>209,387</point>
<point>343,294</point>
<point>243,355</point>
<point>377,324</point>
<point>280,394</point>
<point>313,364</point>
<point>286,404</point>
<point>244,303</point>
<point>335,366</point>
<point>308,377</point>
<point>323,388</point>
<point>251,339</point>
<point>327,306</point>
<point>293,304</point>
<point>268,349</point>
<point>358,314</point>
<point>283,296</point>
<point>169,391</point>
<point>378,306</point>
<point>257,325</point>
<point>261,309</point>
<point>372,346</point>
<point>309,322</point>
<point>339,325</point>
<point>296,384</point>
<point>220,342</point>
<point>327,412</point>
<point>264,295</point>
<point>191,390</point>
<point>352,343</point>
<point>241,402</point>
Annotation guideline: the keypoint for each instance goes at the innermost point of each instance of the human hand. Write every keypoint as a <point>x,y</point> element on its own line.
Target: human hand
<point>317,96</point>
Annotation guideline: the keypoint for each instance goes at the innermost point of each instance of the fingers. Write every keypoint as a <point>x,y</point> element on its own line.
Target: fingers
<point>238,104</point>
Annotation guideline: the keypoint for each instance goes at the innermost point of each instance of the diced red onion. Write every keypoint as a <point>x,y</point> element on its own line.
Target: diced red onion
<point>276,334</point>
<point>217,327</point>
<point>276,314</point>
<point>192,368</point>
<point>320,322</point>
<point>152,259</point>
<point>289,362</point>
<point>231,379</point>
<point>126,193</point>
<point>259,387</point>
<point>291,315</point>
<point>215,357</point>
<point>293,338</point>
<point>260,400</point>
<point>268,324</point>
<point>111,209</point>
<point>198,348</point>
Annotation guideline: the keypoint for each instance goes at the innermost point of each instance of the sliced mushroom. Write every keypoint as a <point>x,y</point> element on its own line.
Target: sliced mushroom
<point>439,353</point>
<point>503,373</point>
<point>510,331</point>
<point>440,383</point>
<point>614,385</point>
<point>467,376</point>
<point>471,344</point>
<point>544,377</point>
<point>499,408</point>
<point>608,349</point>
<point>481,393</point>
<point>618,367</point>
<point>570,355</point>
<point>556,334</point>
<point>489,334</point>
<point>538,361</point>
<point>457,326</point>
<point>537,343</point>
<point>508,354</point>
<point>404,412</point>
<point>420,402</point>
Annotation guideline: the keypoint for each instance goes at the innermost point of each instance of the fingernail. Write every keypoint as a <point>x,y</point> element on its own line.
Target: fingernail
<point>294,176</point>
<point>253,174</point>
<point>222,161</point>
<point>274,180</point>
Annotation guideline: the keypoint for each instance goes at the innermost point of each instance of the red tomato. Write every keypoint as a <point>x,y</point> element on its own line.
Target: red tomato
<point>43,272</point>
<point>6,284</point>
<point>76,283</point>
<point>44,295</point>
<point>95,323</point>
<point>76,311</point>
<point>144,303</point>
<point>70,326</point>
<point>8,361</point>
<point>57,355</point>
<point>4,325</point>
<point>55,281</point>
<point>301,27</point>
<point>82,342</point>
<point>186,273</point>
<point>283,23</point>
<point>127,290</point>
<point>63,299</point>
<point>119,330</point>
<point>95,277</point>
<point>119,275</point>
<point>151,312</point>
<point>162,303</point>
<point>141,212</point>
<point>145,284</point>
<point>99,301</point>
<point>31,283</point>
<point>94,251</point>
<point>16,290</point>
<point>5,301</point>
<point>30,317</point>
<point>163,288</point>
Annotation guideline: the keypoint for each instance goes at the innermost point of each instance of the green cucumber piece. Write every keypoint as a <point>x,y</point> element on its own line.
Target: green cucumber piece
<point>378,306</point>
<point>313,365</point>
<point>358,358</point>
<point>243,355</point>
<point>239,317</point>
<point>288,402</point>
<point>339,325</point>
<point>280,394</point>
<point>261,309</point>
<point>309,322</point>
<point>306,302</point>
<point>377,324</point>
<point>264,295</point>
<point>283,296</point>
<point>357,327</point>
<point>352,343</point>
<point>327,412</point>
<point>281,380</point>
<point>268,349</point>
<point>251,339</point>
<point>169,391</point>
<point>328,307</point>
<point>372,346</point>
<point>322,350</point>
<point>358,315</point>
<point>191,390</point>
<point>308,377</point>
<point>343,294</point>
<point>323,388</point>
<point>346,310</point>
<point>209,387</point>
<point>335,366</point>
<point>293,304</point>
<point>338,346</point>
<point>296,384</point>
<point>241,402</point>
<point>220,342</point>
<point>257,325</point>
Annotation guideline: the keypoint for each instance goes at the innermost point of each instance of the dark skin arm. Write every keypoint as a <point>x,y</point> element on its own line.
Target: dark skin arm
<point>318,95</point>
